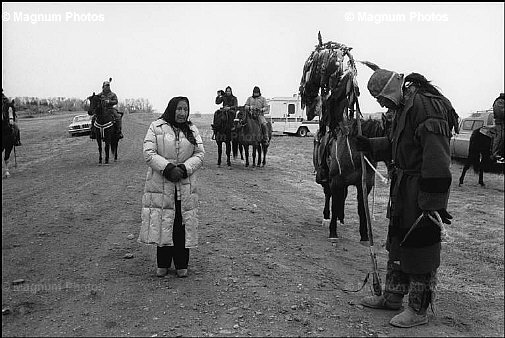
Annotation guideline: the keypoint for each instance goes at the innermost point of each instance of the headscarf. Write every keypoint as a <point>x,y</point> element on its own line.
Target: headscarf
<point>169,116</point>
<point>387,84</point>
<point>256,90</point>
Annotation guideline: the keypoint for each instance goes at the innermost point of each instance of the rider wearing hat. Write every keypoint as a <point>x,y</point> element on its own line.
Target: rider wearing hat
<point>110,100</point>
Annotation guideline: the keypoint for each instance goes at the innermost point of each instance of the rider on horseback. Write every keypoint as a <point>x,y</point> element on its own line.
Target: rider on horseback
<point>227,98</point>
<point>6,104</point>
<point>258,103</point>
<point>110,100</point>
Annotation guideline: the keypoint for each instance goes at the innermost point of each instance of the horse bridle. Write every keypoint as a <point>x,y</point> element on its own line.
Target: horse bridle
<point>104,126</point>
<point>241,122</point>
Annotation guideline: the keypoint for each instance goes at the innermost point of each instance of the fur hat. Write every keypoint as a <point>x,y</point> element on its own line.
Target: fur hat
<point>387,84</point>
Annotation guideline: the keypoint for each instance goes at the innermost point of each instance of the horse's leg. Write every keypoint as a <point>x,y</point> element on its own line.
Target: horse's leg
<point>265,150</point>
<point>363,226</point>
<point>5,164</point>
<point>219,151</point>
<point>107,149</point>
<point>234,148</point>
<point>246,151</point>
<point>481,176</point>
<point>463,173</point>
<point>338,195</point>
<point>114,146</point>
<point>241,150</point>
<point>99,141</point>
<point>228,153</point>
<point>254,150</point>
<point>327,198</point>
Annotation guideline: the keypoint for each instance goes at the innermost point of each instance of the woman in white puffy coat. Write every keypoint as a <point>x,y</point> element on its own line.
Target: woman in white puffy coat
<point>173,150</point>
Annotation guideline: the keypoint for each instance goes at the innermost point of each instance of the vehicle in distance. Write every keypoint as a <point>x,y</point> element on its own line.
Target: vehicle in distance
<point>460,142</point>
<point>81,124</point>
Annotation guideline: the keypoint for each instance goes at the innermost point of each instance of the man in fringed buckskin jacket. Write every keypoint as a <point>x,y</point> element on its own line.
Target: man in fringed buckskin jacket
<point>419,193</point>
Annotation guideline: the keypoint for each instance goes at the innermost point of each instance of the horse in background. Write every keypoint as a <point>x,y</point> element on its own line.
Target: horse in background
<point>8,135</point>
<point>105,128</point>
<point>479,155</point>
<point>248,129</point>
<point>336,153</point>
<point>222,125</point>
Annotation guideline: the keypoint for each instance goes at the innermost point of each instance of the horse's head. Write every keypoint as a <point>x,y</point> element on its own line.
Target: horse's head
<point>223,120</point>
<point>240,119</point>
<point>314,108</point>
<point>95,104</point>
<point>372,128</point>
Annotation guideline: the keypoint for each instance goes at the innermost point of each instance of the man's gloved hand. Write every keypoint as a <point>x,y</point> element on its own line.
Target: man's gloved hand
<point>444,215</point>
<point>363,144</point>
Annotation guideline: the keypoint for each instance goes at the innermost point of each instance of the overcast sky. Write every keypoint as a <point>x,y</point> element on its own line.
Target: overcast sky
<point>157,51</point>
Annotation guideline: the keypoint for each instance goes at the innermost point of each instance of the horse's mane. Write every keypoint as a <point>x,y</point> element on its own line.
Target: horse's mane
<point>369,127</point>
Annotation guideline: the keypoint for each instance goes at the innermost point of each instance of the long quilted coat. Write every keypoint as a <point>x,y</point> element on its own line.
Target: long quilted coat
<point>162,145</point>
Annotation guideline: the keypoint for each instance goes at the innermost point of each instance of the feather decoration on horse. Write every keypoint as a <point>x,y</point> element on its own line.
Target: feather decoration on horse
<point>332,81</point>
<point>325,72</point>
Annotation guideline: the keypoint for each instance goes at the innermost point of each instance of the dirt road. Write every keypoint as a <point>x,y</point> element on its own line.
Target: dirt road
<point>264,267</point>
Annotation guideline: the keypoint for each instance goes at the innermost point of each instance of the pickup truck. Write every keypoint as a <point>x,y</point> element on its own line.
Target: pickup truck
<point>460,142</point>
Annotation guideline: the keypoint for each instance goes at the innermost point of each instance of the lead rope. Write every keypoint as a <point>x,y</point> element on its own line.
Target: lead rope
<point>383,180</point>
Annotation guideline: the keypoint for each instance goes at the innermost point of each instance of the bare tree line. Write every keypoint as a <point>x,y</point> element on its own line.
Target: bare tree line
<point>35,105</point>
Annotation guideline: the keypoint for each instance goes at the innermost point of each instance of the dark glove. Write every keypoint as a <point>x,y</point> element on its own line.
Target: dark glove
<point>176,174</point>
<point>363,144</point>
<point>184,170</point>
<point>167,170</point>
<point>444,215</point>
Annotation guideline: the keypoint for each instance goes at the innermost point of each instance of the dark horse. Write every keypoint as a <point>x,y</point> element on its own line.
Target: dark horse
<point>8,137</point>
<point>248,129</point>
<point>344,163</point>
<point>479,155</point>
<point>222,126</point>
<point>105,128</point>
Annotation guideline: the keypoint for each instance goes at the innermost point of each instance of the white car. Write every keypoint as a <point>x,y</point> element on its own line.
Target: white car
<point>460,142</point>
<point>81,124</point>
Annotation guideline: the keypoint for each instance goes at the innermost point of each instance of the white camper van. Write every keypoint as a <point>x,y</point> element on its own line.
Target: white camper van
<point>287,117</point>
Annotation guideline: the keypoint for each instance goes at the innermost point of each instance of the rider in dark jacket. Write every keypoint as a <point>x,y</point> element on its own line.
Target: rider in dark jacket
<point>110,100</point>
<point>227,98</point>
